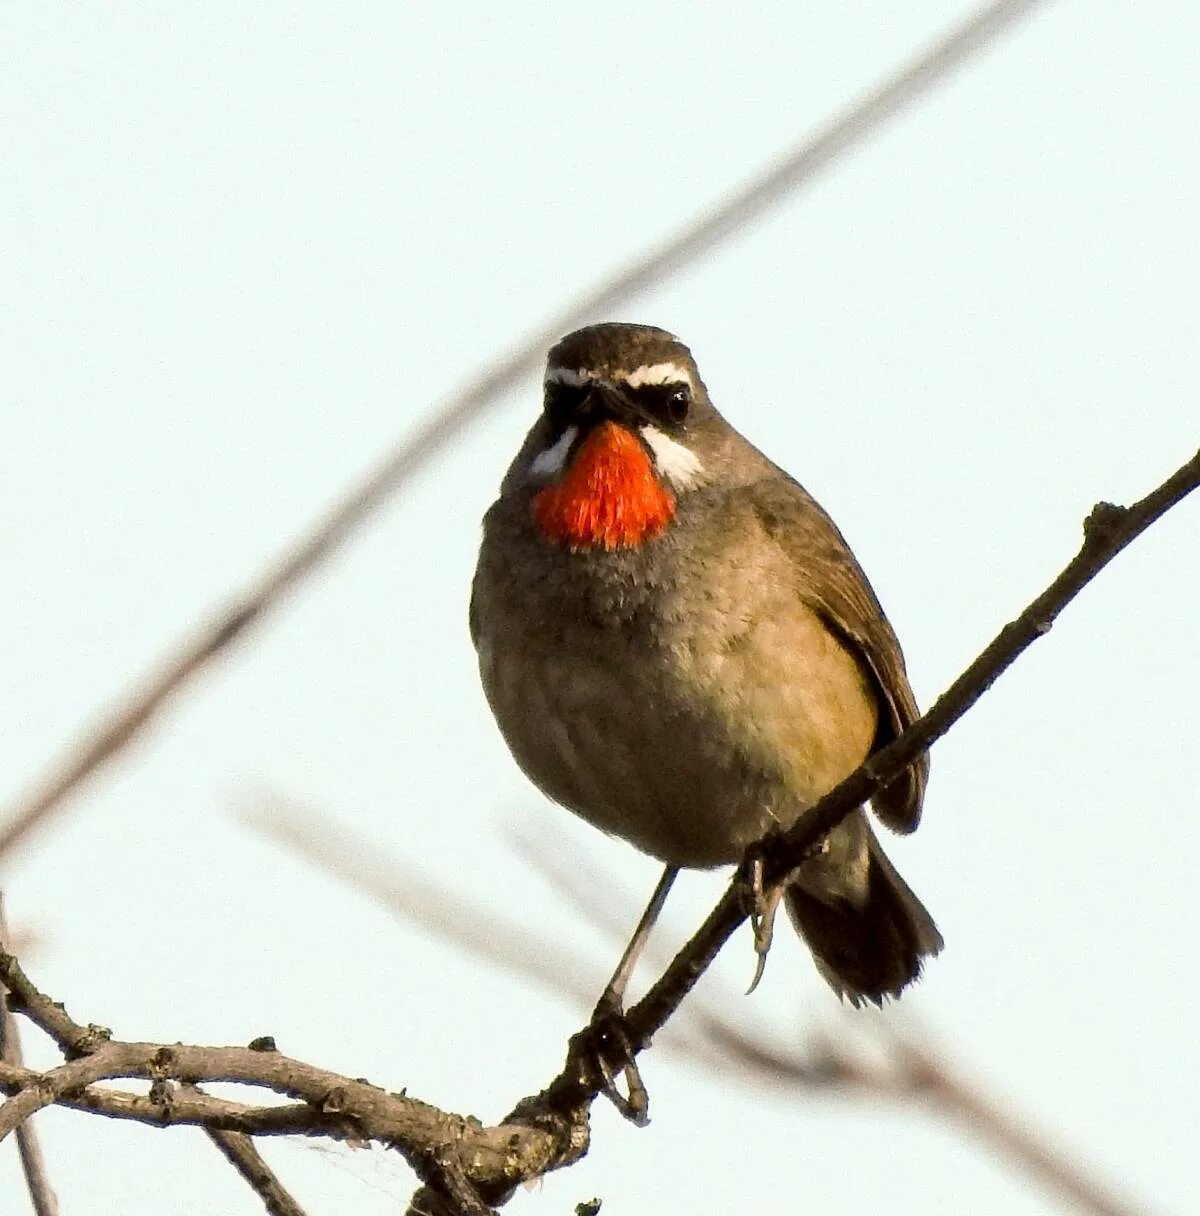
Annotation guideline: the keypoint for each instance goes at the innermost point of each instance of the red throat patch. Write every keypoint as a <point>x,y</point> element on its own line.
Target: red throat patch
<point>609,497</point>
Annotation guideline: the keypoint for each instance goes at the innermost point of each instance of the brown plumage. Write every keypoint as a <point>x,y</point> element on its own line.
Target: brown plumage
<point>700,682</point>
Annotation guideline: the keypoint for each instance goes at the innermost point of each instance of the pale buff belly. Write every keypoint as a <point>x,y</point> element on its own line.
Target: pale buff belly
<point>689,749</point>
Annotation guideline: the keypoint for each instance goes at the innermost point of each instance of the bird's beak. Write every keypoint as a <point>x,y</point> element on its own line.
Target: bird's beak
<point>608,401</point>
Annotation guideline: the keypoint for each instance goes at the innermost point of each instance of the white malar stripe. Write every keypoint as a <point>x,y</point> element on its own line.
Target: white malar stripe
<point>678,464</point>
<point>552,459</point>
<point>657,373</point>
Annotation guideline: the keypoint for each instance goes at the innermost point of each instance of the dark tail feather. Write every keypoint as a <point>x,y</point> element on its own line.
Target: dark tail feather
<point>869,947</point>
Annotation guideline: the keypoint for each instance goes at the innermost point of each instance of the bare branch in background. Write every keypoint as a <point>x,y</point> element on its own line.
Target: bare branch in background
<point>125,720</point>
<point>906,1065</point>
<point>926,1071</point>
<point>475,928</point>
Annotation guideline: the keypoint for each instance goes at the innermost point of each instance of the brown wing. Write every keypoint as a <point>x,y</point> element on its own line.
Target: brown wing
<point>831,581</point>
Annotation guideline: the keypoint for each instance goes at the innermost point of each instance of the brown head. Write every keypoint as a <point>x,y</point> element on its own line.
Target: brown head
<point>626,431</point>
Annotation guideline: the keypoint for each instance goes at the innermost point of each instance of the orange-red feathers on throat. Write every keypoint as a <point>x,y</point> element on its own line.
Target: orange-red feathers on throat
<point>609,497</point>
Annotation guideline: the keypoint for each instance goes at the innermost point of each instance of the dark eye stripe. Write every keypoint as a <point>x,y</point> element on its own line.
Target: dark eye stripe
<point>665,403</point>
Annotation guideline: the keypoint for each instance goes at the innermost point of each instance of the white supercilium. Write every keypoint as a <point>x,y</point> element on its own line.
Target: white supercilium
<point>657,373</point>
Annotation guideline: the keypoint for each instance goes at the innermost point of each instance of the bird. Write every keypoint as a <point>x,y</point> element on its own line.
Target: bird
<point>678,645</point>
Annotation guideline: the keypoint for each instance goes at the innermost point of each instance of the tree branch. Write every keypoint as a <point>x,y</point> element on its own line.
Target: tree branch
<point>451,1151</point>
<point>73,1040</point>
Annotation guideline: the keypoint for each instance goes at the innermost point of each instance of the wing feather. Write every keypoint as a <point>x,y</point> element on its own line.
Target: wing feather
<point>830,580</point>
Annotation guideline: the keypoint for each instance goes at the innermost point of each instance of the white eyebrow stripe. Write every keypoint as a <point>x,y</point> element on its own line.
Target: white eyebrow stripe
<point>678,464</point>
<point>552,459</point>
<point>648,373</point>
<point>657,373</point>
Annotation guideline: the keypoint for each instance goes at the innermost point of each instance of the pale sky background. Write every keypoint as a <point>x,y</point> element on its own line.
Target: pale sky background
<point>247,248</point>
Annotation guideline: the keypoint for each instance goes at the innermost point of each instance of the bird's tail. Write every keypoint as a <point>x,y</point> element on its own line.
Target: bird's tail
<point>866,929</point>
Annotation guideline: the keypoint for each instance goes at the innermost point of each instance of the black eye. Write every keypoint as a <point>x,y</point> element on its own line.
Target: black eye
<point>665,403</point>
<point>679,401</point>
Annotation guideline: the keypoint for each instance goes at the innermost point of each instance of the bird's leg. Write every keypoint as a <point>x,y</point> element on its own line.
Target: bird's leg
<point>608,1018</point>
<point>612,1000</point>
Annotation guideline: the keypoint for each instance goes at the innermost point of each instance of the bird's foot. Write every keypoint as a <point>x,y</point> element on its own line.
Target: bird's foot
<point>764,903</point>
<point>610,1052</point>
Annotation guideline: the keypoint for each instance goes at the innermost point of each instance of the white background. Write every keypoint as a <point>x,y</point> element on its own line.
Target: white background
<point>247,248</point>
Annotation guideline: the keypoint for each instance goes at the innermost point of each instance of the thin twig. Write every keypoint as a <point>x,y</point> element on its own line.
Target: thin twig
<point>239,1150</point>
<point>125,720</point>
<point>29,1148</point>
<point>72,1038</point>
<point>187,1108</point>
<point>37,1177</point>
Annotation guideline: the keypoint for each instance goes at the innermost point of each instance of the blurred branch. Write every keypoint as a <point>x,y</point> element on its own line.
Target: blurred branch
<point>986,1118</point>
<point>476,928</point>
<point>908,1068</point>
<point>124,721</point>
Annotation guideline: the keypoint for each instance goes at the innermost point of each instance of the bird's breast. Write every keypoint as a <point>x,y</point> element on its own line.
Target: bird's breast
<point>679,695</point>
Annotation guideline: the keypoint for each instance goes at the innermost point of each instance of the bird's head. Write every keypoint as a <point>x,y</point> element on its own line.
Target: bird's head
<point>616,446</point>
